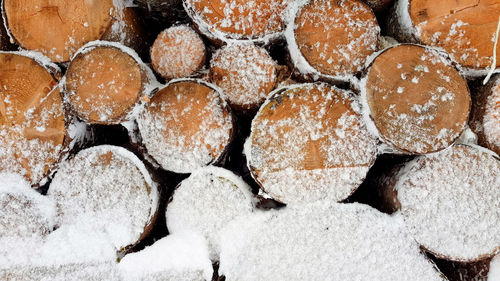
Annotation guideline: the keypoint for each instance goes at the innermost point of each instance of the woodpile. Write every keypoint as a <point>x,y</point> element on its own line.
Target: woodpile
<point>249,140</point>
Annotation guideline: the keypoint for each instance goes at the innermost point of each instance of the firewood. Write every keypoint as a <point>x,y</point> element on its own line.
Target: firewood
<point>111,184</point>
<point>332,38</point>
<point>485,116</point>
<point>33,133</point>
<point>106,81</point>
<point>187,125</point>
<point>220,20</point>
<point>178,52</point>
<point>449,200</point>
<point>59,28</point>
<point>308,143</point>
<point>464,29</point>
<point>415,100</point>
<point>225,197</point>
<point>245,73</point>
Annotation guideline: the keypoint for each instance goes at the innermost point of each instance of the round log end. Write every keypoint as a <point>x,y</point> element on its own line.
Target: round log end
<point>417,100</point>
<point>245,73</point>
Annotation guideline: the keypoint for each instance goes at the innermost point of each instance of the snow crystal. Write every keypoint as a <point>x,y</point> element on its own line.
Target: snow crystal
<point>244,72</point>
<point>322,241</point>
<point>307,143</point>
<point>187,125</point>
<point>177,257</point>
<point>450,201</point>
<point>206,201</point>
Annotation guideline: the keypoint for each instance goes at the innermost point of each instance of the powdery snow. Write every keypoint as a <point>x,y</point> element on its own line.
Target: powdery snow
<point>177,257</point>
<point>322,241</point>
<point>494,273</point>
<point>450,202</point>
<point>206,201</point>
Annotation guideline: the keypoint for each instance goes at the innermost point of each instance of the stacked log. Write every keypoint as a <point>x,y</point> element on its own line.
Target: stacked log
<point>106,82</point>
<point>186,125</point>
<point>485,115</point>
<point>59,28</point>
<point>34,135</point>
<point>415,100</point>
<point>464,29</point>
<point>449,201</point>
<point>308,143</point>
<point>332,38</point>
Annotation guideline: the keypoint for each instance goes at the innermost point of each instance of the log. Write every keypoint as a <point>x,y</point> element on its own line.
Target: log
<point>378,5</point>
<point>225,197</point>
<point>452,25</point>
<point>187,125</point>
<point>220,20</point>
<point>301,243</point>
<point>178,52</point>
<point>111,184</point>
<point>58,28</point>
<point>485,115</point>
<point>106,82</point>
<point>301,147</point>
<point>332,38</point>
<point>245,73</point>
<point>414,99</point>
<point>447,198</point>
<point>33,133</point>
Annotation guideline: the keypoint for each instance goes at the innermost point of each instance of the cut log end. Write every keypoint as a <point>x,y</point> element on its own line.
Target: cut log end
<point>485,120</point>
<point>32,122</point>
<point>336,37</point>
<point>104,83</point>
<point>245,73</point>
<point>178,52</point>
<point>448,197</point>
<point>417,100</point>
<point>60,28</point>
<point>109,183</point>
<point>300,147</point>
<point>220,19</point>
<point>456,27</point>
<point>187,125</point>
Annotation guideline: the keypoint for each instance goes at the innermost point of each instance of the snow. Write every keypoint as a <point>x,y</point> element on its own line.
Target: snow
<point>182,148</point>
<point>177,257</point>
<point>322,241</point>
<point>220,197</point>
<point>244,72</point>
<point>108,183</point>
<point>450,202</point>
<point>318,149</point>
<point>494,273</point>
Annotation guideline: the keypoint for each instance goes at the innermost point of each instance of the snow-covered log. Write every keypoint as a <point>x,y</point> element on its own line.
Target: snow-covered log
<point>186,125</point>
<point>107,82</point>
<point>245,73</point>
<point>307,143</point>
<point>414,99</point>
<point>59,28</point>
<point>207,201</point>
<point>33,132</point>
<point>485,115</point>
<point>221,20</point>
<point>331,39</point>
<point>464,29</point>
<point>449,200</point>
<point>178,52</point>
